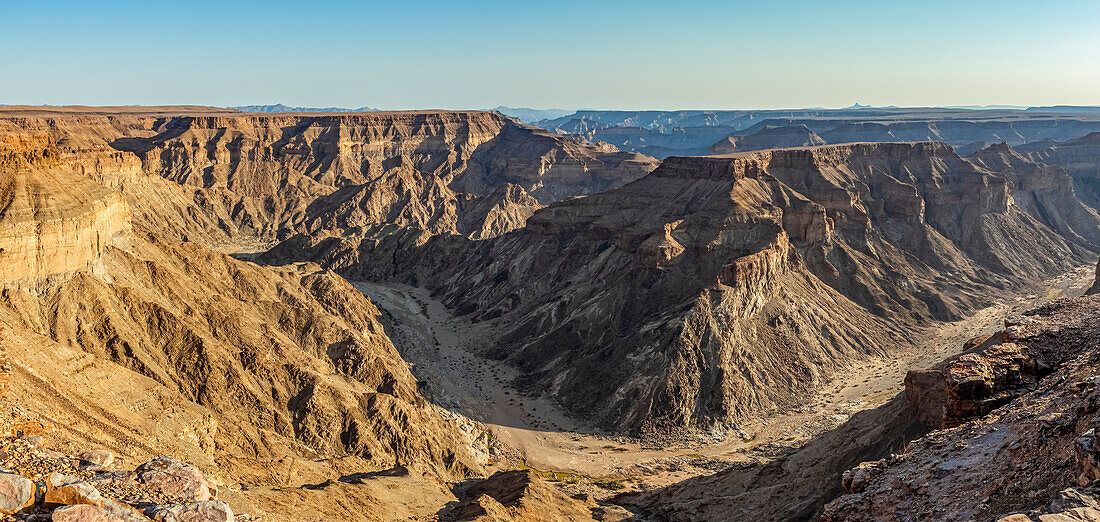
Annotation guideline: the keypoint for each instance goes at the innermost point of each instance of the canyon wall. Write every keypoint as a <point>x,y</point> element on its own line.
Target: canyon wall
<point>717,288</point>
<point>231,179</point>
<point>109,222</point>
<point>52,221</point>
<point>268,176</point>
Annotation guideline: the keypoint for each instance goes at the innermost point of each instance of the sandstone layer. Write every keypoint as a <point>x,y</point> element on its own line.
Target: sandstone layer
<point>52,221</point>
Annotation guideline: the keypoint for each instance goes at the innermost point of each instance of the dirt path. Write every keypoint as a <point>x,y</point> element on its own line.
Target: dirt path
<point>441,352</point>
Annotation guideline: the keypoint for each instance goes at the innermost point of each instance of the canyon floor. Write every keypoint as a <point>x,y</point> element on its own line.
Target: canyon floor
<point>534,433</point>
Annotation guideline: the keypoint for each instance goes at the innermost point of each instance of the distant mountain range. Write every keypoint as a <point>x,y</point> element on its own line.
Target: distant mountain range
<point>278,107</point>
<point>527,115</point>
<point>1075,109</point>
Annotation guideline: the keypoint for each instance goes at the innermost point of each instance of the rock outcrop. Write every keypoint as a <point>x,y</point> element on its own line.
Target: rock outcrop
<point>522,496</point>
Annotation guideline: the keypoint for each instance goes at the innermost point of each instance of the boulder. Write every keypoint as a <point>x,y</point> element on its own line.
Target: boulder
<point>80,513</point>
<point>856,479</point>
<point>96,460</point>
<point>1071,498</point>
<point>16,493</point>
<point>1084,514</point>
<point>206,511</point>
<point>175,479</point>
<point>67,490</point>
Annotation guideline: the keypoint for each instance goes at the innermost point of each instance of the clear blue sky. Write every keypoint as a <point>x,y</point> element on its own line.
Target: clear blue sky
<point>566,54</point>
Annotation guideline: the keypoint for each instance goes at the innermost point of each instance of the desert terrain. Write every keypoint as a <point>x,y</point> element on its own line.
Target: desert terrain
<point>211,314</point>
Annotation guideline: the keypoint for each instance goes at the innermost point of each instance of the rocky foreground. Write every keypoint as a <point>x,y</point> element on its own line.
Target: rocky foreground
<point>40,483</point>
<point>1020,413</point>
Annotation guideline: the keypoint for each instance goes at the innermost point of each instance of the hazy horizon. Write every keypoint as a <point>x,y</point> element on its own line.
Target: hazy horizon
<point>616,55</point>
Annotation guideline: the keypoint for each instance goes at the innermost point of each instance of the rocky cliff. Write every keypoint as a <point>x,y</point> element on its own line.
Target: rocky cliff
<point>1045,190</point>
<point>1078,158</point>
<point>52,221</point>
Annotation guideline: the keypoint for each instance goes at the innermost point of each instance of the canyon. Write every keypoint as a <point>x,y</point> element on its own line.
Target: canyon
<point>453,315</point>
<point>690,133</point>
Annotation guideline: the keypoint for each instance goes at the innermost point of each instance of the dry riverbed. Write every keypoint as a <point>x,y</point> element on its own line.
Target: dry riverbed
<point>536,433</point>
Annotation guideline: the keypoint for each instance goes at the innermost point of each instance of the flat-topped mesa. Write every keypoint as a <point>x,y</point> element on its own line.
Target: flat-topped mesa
<point>53,221</point>
<point>770,137</point>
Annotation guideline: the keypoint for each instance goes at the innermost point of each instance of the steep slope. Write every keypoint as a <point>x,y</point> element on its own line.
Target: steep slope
<point>792,487</point>
<point>1080,159</point>
<point>1046,191</point>
<point>718,287</point>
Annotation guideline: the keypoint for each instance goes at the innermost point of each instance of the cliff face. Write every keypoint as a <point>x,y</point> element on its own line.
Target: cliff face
<point>52,221</point>
<point>1079,158</point>
<point>1046,191</point>
<point>705,291</point>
